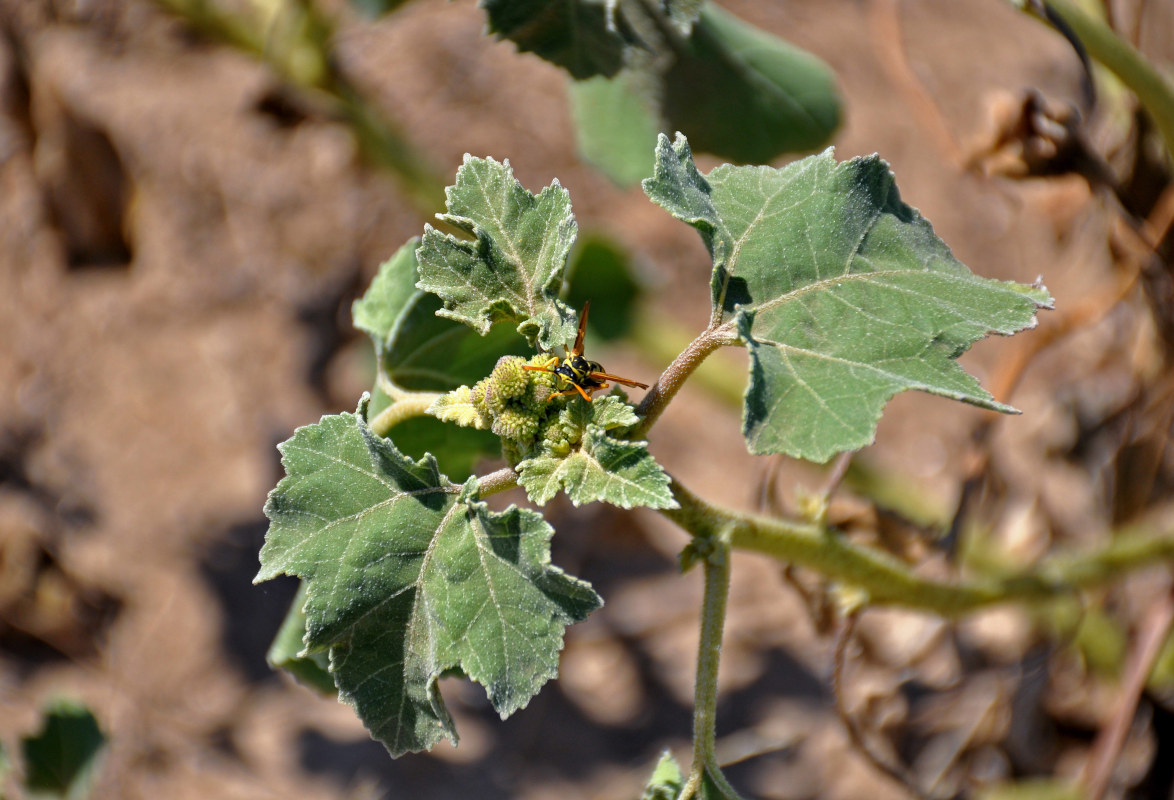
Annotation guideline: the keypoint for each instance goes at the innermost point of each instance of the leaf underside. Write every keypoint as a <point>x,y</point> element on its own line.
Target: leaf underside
<point>842,293</point>
<point>409,577</point>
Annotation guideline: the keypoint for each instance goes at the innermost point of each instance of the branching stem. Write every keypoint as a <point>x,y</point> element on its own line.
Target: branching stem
<point>888,581</point>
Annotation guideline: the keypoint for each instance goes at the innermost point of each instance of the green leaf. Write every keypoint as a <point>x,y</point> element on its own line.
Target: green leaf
<point>842,293</point>
<point>457,450</point>
<point>615,119</point>
<point>411,577</point>
<point>599,467</point>
<point>579,35</point>
<point>418,349</point>
<point>512,270</point>
<point>745,95</point>
<point>666,781</point>
<point>62,758</point>
<point>285,652</point>
<point>734,90</point>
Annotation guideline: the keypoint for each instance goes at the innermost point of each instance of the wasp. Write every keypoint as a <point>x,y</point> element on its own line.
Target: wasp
<point>581,375</point>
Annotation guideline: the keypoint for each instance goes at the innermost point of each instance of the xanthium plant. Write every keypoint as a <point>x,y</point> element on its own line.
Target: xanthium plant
<point>841,293</point>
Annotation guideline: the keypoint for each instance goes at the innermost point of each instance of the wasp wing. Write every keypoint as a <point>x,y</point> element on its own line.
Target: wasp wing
<point>617,379</point>
<point>578,348</point>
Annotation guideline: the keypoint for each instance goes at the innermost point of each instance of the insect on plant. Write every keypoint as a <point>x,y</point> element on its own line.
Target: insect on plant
<point>583,376</point>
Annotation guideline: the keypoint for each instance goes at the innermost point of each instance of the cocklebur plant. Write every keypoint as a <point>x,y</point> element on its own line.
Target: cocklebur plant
<point>841,293</point>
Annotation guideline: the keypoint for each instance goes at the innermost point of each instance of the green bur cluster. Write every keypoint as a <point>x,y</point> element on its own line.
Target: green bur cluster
<point>567,445</point>
<point>515,404</point>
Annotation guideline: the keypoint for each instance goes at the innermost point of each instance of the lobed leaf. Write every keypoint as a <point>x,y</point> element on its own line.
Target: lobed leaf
<point>418,349</point>
<point>600,466</point>
<point>842,293</point>
<point>512,270</point>
<point>409,577</point>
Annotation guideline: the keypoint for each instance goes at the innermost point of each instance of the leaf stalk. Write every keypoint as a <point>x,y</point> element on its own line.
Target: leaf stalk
<point>405,406</point>
<point>675,375</point>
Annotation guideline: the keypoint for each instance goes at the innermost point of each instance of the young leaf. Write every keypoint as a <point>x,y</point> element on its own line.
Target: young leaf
<point>842,293</point>
<point>666,781</point>
<point>513,268</point>
<point>418,349</point>
<point>599,467</point>
<point>410,577</point>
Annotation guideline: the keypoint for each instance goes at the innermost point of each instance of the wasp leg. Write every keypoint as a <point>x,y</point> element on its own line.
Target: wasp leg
<point>545,368</point>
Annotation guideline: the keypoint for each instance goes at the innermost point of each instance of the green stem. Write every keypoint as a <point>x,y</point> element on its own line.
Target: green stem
<point>406,406</point>
<point>675,375</point>
<point>497,481</point>
<point>1154,92</point>
<point>888,581</point>
<point>713,620</point>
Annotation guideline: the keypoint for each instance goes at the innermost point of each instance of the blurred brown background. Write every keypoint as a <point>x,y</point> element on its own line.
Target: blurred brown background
<point>180,241</point>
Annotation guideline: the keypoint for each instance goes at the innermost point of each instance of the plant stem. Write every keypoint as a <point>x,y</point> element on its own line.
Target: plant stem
<point>406,406</point>
<point>497,481</point>
<point>1154,92</point>
<point>675,375</point>
<point>889,581</point>
<point>709,649</point>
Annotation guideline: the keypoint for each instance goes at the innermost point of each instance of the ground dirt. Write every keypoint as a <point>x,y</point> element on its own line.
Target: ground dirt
<point>180,242</point>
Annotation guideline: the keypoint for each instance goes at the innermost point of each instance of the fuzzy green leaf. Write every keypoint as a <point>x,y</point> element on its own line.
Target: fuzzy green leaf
<point>312,670</point>
<point>601,467</point>
<point>666,781</point>
<point>842,293</point>
<point>580,36</point>
<point>512,270</point>
<point>418,349</point>
<point>410,577</point>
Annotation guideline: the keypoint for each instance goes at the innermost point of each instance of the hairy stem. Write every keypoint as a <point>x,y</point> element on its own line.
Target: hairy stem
<point>675,375</point>
<point>889,581</point>
<point>497,481</point>
<point>713,620</point>
<point>406,406</point>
